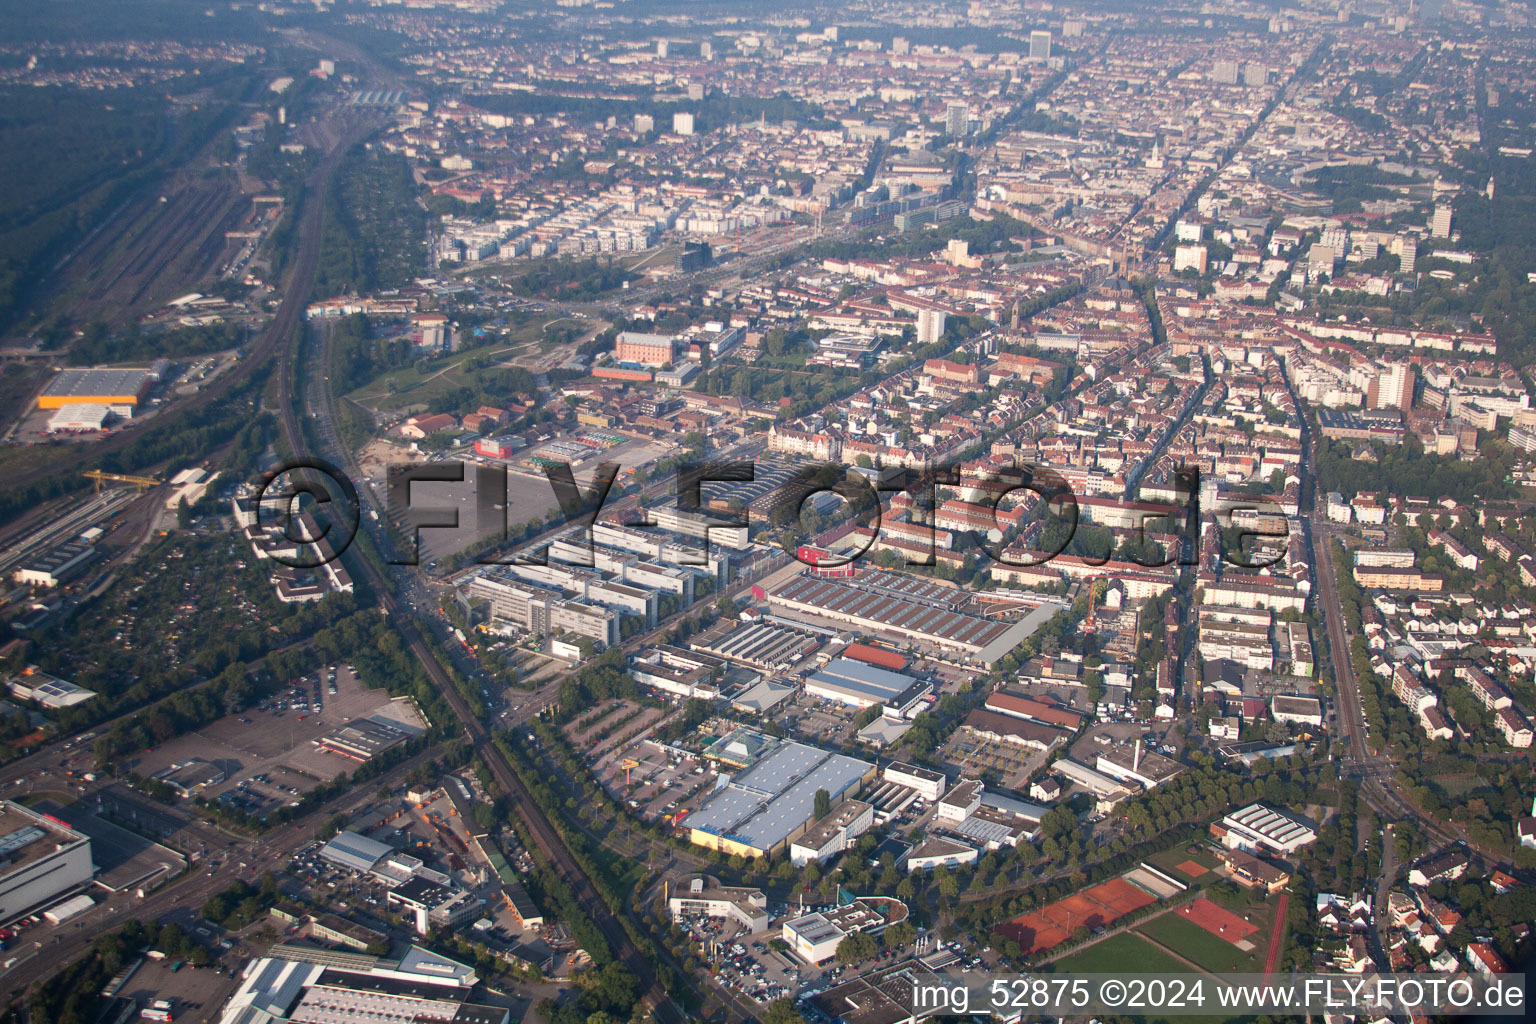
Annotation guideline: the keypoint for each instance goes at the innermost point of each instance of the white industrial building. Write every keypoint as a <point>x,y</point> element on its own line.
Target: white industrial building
<point>833,834</point>
<point>861,685</point>
<point>42,860</point>
<point>703,894</point>
<point>1260,829</point>
<point>814,937</point>
<point>80,416</point>
<point>928,783</point>
<point>323,986</point>
<point>941,851</point>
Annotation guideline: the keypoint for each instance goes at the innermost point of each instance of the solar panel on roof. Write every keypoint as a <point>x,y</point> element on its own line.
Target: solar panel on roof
<point>21,837</point>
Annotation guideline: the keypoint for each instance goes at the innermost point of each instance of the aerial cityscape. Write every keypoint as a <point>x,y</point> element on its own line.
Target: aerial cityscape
<point>703,510</point>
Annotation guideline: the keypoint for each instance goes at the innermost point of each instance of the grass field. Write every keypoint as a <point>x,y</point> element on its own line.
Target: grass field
<point>1125,953</point>
<point>405,385</point>
<point>1129,953</point>
<point>1168,861</point>
<point>1209,951</point>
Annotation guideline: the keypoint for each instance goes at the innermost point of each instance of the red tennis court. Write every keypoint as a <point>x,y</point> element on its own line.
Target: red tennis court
<point>1192,869</point>
<point>1219,921</point>
<point>1092,908</point>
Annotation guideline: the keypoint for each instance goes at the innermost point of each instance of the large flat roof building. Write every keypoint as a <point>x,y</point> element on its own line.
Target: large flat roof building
<point>762,809</point>
<point>41,859</point>
<point>907,609</point>
<point>1261,829</point>
<point>355,851</point>
<point>33,684</point>
<point>862,685</point>
<point>319,986</point>
<point>364,738</point>
<point>56,565</point>
<point>96,386</point>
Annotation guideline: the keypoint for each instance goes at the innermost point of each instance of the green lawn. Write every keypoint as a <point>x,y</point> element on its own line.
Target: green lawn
<point>1129,953</point>
<point>1209,951</point>
<point>1125,953</point>
<point>1169,860</point>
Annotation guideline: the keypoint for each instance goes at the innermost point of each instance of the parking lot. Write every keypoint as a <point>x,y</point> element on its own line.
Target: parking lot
<point>1011,763</point>
<point>197,994</point>
<point>817,720</point>
<point>267,753</point>
<point>760,967</point>
<point>659,780</point>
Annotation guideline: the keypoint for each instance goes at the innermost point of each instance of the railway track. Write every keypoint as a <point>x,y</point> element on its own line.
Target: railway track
<point>543,833</point>
<point>274,340</point>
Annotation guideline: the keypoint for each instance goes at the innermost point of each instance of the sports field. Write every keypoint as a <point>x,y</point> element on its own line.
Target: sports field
<point>1126,953</point>
<point>1219,921</point>
<point>1095,907</point>
<point>1195,943</point>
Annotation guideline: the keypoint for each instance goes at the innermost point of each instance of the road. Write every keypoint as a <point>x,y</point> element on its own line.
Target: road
<point>239,858</point>
<point>356,124</point>
<point>402,613</point>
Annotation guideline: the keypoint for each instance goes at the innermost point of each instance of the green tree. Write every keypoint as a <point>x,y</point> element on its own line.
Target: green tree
<point>782,1011</point>
<point>823,803</point>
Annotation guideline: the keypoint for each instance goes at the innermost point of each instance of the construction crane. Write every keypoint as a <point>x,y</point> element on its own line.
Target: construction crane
<point>143,483</point>
<point>1095,593</point>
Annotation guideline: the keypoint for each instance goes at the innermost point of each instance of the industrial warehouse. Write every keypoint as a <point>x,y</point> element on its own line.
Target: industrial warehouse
<point>906,608</point>
<point>42,860</point>
<point>1260,829</point>
<point>773,802</point>
<point>855,683</point>
<point>364,738</point>
<point>299,983</point>
<point>99,386</point>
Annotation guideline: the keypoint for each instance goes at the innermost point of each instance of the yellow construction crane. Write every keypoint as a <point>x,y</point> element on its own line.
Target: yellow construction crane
<point>1095,595</point>
<point>143,483</point>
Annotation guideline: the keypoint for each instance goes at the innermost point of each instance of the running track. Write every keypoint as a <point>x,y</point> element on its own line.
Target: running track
<point>1276,934</point>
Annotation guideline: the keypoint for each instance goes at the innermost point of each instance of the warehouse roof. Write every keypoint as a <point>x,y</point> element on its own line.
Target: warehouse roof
<point>773,798</point>
<point>355,851</point>
<point>97,382</point>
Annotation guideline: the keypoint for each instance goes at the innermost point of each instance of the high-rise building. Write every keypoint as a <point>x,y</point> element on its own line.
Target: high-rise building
<point>682,123</point>
<point>644,123</point>
<point>707,50</point>
<point>900,46</point>
<point>1039,45</point>
<point>1224,72</point>
<point>695,90</point>
<point>1392,388</point>
<point>662,47</point>
<point>930,325</point>
<point>1320,259</point>
<point>1255,75</point>
<point>1190,257</point>
<point>1407,253</point>
<point>1440,227</point>
<point>957,119</point>
<point>1072,28</point>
